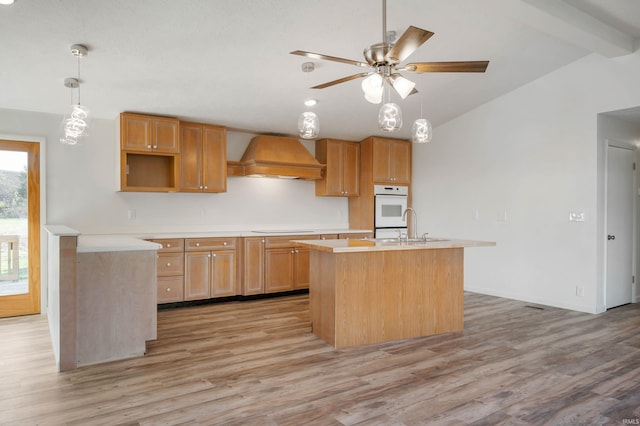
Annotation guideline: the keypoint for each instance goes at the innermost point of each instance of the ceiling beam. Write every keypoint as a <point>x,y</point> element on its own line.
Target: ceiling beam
<point>575,26</point>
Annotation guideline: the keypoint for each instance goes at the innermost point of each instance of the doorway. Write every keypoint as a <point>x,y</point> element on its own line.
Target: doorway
<point>19,228</point>
<point>620,214</point>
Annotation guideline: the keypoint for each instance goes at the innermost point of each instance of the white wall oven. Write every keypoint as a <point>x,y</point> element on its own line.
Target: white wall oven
<point>390,204</point>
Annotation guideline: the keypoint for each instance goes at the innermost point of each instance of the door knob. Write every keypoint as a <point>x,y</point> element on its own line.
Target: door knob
<point>611,237</point>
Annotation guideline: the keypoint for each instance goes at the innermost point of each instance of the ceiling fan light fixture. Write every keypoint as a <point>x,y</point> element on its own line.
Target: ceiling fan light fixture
<point>403,86</point>
<point>390,117</point>
<point>372,87</point>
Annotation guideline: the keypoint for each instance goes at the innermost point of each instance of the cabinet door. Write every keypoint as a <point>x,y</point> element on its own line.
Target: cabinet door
<point>351,169</point>
<point>215,159</point>
<point>381,161</point>
<point>197,276</point>
<point>253,266</point>
<point>279,269</point>
<point>400,162</point>
<point>135,133</point>
<point>333,172</point>
<point>302,268</point>
<point>191,157</point>
<point>223,273</point>
<point>165,135</point>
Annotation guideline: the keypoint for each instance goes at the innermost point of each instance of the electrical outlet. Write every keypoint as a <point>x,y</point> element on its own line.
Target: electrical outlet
<point>580,291</point>
<point>576,216</point>
<point>476,215</point>
<point>502,216</point>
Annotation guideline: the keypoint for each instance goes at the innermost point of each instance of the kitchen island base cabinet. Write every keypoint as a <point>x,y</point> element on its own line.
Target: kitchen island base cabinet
<point>371,297</point>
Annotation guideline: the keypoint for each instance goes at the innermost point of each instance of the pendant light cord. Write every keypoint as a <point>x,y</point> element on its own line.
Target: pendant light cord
<point>78,80</point>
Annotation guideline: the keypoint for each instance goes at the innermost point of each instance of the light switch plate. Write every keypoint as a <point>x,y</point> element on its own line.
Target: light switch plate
<point>576,216</point>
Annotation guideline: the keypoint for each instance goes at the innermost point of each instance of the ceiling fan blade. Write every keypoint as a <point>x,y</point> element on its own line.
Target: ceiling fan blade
<point>408,42</point>
<point>341,80</point>
<point>328,58</point>
<point>462,66</point>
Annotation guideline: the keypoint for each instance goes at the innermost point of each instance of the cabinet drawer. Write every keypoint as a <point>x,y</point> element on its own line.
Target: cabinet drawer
<point>170,289</point>
<point>285,241</point>
<point>170,264</point>
<point>199,244</point>
<point>170,244</point>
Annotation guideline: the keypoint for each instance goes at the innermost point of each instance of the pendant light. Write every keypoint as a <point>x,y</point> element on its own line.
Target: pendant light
<point>421,131</point>
<point>76,124</point>
<point>308,123</point>
<point>390,116</point>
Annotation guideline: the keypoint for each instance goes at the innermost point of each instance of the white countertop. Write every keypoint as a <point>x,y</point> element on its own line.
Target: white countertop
<point>103,243</point>
<point>136,241</point>
<point>359,246</point>
<point>253,233</point>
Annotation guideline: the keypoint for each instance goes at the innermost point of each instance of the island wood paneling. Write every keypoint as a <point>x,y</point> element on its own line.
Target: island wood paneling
<point>371,297</point>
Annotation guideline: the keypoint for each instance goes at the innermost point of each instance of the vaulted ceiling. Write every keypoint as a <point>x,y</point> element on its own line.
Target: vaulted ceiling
<point>228,62</point>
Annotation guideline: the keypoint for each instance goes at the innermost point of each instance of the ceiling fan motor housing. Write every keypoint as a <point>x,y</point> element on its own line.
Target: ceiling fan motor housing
<point>375,54</point>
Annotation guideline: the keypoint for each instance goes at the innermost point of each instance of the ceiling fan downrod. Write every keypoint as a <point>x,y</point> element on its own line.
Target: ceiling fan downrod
<point>384,21</point>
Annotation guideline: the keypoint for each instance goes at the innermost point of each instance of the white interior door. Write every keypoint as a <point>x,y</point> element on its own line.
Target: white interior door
<point>620,197</point>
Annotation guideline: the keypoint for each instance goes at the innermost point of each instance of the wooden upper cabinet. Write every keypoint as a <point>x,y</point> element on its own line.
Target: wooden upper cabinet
<point>148,133</point>
<point>203,158</point>
<point>391,161</point>
<point>342,172</point>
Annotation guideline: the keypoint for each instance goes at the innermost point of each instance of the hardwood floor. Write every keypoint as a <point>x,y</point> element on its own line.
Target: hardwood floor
<point>256,363</point>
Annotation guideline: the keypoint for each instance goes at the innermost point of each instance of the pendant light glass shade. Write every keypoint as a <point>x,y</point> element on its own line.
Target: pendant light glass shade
<point>421,131</point>
<point>372,87</point>
<point>390,117</point>
<point>308,125</point>
<point>75,125</point>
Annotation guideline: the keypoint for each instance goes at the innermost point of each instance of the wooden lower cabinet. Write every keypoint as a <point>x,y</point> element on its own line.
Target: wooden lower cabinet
<point>253,266</point>
<point>170,270</point>
<point>210,273</point>
<point>279,269</point>
<point>170,289</point>
<point>301,268</point>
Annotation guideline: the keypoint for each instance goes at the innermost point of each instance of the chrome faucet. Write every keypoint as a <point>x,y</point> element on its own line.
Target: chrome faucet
<point>414,226</point>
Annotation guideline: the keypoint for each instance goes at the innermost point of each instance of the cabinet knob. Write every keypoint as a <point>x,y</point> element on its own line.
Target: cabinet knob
<point>155,146</point>
<point>200,186</point>
<point>197,244</point>
<point>149,146</point>
<point>168,245</point>
<point>262,241</point>
<point>214,255</point>
<point>205,187</point>
<point>323,238</point>
<point>168,289</point>
<point>224,244</point>
<point>168,263</point>
<point>293,251</point>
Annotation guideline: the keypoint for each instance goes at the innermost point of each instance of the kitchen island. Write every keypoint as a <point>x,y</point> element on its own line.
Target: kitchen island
<point>368,291</point>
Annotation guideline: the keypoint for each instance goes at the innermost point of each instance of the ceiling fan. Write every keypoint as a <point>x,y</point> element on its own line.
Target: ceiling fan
<point>385,58</point>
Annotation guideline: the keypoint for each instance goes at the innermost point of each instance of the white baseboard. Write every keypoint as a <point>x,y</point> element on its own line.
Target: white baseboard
<point>538,301</point>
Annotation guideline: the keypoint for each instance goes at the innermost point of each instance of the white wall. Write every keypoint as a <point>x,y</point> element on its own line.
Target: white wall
<point>81,184</point>
<point>532,155</point>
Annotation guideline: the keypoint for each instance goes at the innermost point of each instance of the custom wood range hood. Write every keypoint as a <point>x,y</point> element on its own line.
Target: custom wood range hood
<point>277,156</point>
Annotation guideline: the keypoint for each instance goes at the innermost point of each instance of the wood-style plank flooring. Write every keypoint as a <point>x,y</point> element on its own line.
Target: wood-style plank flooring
<point>256,363</point>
